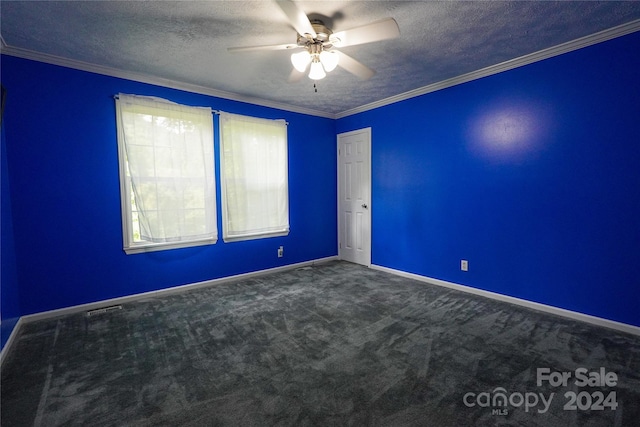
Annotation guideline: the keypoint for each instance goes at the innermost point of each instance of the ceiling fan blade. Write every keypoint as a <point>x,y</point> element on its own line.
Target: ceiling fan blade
<point>297,17</point>
<point>270,47</point>
<point>376,31</point>
<point>354,67</point>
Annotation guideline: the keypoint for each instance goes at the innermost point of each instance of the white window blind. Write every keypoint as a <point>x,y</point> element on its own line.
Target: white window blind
<point>166,174</point>
<point>254,177</point>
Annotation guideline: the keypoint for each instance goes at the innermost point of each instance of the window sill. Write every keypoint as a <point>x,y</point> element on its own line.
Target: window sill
<point>229,239</point>
<point>154,247</point>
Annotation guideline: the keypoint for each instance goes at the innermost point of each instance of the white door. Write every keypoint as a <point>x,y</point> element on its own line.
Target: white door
<point>354,181</point>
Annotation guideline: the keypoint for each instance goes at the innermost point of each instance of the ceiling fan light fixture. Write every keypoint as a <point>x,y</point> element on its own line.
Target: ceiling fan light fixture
<point>329,60</point>
<point>316,72</point>
<point>300,60</point>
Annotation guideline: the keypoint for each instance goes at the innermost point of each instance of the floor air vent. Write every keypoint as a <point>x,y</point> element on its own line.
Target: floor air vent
<point>103,310</point>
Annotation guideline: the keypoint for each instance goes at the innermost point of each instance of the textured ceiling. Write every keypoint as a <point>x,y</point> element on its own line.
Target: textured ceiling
<point>186,41</point>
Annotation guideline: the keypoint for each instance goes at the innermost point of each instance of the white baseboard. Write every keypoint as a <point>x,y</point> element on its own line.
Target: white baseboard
<point>623,327</point>
<point>168,291</point>
<point>599,321</point>
<point>129,298</point>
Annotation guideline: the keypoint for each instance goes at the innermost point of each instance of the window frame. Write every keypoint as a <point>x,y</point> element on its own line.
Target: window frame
<point>130,246</point>
<point>227,238</point>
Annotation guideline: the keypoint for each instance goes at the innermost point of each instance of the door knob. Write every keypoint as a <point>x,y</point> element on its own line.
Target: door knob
<point>364,205</point>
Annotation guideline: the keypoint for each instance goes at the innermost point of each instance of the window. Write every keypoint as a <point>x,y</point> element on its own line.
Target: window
<point>254,181</point>
<point>167,181</point>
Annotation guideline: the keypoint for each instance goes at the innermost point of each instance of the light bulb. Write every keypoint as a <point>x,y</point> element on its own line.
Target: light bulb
<point>300,60</point>
<point>316,72</point>
<point>329,60</point>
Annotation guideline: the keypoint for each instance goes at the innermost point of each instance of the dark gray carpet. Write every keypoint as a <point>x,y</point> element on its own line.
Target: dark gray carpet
<point>330,345</point>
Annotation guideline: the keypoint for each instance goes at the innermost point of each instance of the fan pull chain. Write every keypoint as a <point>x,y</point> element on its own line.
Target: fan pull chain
<point>315,89</point>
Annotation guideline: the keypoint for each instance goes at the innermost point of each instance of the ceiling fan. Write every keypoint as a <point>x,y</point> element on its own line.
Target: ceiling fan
<point>316,44</point>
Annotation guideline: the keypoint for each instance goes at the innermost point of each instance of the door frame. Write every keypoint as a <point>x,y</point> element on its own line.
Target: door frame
<point>367,132</point>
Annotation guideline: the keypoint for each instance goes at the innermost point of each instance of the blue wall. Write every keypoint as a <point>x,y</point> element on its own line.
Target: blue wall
<point>533,175</point>
<point>63,166</point>
<point>9,295</point>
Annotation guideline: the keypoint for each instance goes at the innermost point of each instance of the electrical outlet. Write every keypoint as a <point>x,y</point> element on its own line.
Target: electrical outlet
<point>464,265</point>
<point>280,252</point>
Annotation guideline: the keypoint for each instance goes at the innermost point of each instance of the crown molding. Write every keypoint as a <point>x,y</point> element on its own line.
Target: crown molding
<point>521,61</point>
<point>154,80</point>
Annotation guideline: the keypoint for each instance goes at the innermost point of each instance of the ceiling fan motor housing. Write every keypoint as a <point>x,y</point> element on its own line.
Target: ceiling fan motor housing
<point>322,35</point>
